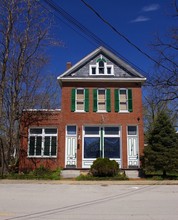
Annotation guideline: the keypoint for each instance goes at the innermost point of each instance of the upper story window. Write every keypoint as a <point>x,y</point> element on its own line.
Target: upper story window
<point>79,100</point>
<point>42,142</point>
<point>101,100</point>
<point>123,100</point>
<point>101,68</point>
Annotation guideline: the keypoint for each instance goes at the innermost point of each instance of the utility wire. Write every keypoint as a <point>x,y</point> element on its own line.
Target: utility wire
<point>84,30</point>
<point>124,37</point>
<point>62,20</point>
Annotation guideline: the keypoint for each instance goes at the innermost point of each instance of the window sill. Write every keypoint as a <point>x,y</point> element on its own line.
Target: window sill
<point>102,74</point>
<point>123,112</point>
<point>42,157</point>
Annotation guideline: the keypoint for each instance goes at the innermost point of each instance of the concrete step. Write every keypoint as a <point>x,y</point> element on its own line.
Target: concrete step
<point>132,174</point>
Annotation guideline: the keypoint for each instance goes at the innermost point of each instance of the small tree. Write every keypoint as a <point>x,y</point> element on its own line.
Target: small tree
<point>161,153</point>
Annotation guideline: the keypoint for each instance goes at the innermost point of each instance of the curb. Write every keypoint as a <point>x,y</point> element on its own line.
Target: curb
<point>98,182</point>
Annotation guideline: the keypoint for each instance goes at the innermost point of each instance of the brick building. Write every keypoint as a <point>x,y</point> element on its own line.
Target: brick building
<point>100,116</point>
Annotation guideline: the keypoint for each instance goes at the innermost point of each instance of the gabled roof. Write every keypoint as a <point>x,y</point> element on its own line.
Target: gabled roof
<point>126,73</point>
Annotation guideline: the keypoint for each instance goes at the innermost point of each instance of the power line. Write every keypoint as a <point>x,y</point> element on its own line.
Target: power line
<point>64,22</point>
<point>90,35</point>
<point>123,36</point>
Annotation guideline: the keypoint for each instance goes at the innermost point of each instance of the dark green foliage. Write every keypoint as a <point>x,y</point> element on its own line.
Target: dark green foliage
<point>103,167</point>
<point>161,153</point>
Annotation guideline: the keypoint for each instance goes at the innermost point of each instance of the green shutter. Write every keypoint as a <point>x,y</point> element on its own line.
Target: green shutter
<point>73,100</point>
<point>108,100</point>
<point>116,95</point>
<point>130,106</point>
<point>95,100</point>
<point>86,100</point>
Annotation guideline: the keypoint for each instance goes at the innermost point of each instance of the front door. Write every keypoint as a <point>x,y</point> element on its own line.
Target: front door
<point>132,146</point>
<point>71,146</point>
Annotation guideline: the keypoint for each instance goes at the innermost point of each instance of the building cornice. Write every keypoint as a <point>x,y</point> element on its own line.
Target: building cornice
<point>141,80</point>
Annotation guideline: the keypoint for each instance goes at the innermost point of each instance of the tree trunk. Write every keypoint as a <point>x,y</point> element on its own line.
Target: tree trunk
<point>164,174</point>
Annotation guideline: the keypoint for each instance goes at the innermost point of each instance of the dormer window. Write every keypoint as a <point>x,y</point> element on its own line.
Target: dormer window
<point>101,68</point>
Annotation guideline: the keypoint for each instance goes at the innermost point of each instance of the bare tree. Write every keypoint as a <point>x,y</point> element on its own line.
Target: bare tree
<point>165,78</point>
<point>162,85</point>
<point>24,33</point>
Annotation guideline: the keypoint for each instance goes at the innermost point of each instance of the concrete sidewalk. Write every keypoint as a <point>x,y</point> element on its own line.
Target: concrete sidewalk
<point>102,182</point>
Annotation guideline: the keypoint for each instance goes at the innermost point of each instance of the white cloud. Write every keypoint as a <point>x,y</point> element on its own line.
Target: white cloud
<point>152,7</point>
<point>140,19</point>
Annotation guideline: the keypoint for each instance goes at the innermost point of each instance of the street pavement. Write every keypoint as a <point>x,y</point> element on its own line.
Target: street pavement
<point>106,200</point>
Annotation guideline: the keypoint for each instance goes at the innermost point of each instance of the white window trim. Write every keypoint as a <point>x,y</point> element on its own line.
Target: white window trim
<point>43,135</point>
<point>99,135</point>
<point>123,111</point>
<point>79,100</point>
<point>100,100</point>
<point>105,69</point>
<point>87,162</point>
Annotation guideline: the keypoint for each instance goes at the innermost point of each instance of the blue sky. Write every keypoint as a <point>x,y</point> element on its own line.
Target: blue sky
<point>138,20</point>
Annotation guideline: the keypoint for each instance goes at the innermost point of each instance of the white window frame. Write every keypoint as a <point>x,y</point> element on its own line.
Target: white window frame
<point>43,135</point>
<point>101,100</point>
<point>105,69</point>
<point>87,162</point>
<point>123,89</point>
<point>112,135</point>
<point>80,100</point>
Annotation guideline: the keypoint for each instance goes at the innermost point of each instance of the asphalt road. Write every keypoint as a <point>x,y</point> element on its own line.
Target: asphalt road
<point>34,201</point>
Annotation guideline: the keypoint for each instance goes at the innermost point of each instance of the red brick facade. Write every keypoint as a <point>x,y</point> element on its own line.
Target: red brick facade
<point>61,119</point>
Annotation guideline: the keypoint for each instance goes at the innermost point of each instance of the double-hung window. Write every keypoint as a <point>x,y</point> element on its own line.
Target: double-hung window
<point>123,100</point>
<point>42,142</point>
<point>101,100</point>
<point>79,100</point>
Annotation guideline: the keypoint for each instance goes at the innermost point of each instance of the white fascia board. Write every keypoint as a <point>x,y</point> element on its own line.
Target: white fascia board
<point>79,63</point>
<point>122,62</point>
<point>110,54</point>
<point>103,80</point>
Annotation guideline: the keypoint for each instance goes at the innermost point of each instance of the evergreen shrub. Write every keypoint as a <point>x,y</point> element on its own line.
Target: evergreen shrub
<point>104,167</point>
